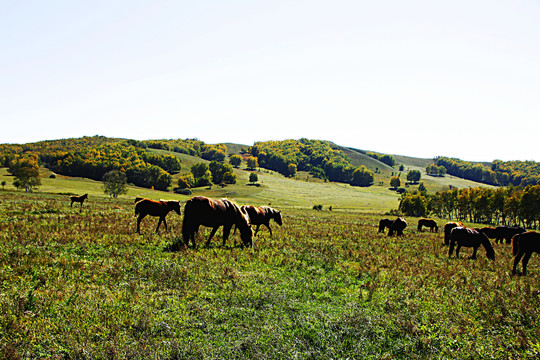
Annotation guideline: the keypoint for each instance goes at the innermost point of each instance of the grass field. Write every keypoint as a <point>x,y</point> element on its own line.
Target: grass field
<point>80,284</point>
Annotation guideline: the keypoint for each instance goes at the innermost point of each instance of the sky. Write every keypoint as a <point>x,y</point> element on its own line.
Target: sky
<point>421,78</point>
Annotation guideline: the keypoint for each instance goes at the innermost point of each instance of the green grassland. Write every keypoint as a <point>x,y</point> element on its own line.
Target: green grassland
<point>80,284</point>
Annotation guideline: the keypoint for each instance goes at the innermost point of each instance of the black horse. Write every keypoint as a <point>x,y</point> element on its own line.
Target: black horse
<point>384,223</point>
<point>523,245</point>
<point>397,226</point>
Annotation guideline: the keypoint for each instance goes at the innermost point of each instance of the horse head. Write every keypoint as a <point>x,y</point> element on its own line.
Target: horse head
<point>174,205</point>
<point>276,214</point>
<point>490,253</point>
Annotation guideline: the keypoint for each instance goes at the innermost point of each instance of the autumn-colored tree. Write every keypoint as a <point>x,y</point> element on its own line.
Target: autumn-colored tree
<point>235,160</point>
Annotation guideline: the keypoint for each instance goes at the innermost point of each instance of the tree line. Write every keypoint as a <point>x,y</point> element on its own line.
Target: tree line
<point>513,205</point>
<point>498,172</point>
<point>321,158</point>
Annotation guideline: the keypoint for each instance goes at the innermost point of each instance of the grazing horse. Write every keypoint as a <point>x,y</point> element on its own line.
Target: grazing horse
<point>155,208</point>
<point>397,225</point>
<point>507,232</point>
<point>204,211</point>
<point>383,224</point>
<point>490,232</point>
<point>448,228</point>
<point>523,245</point>
<point>78,199</point>
<point>431,224</point>
<point>465,237</point>
<point>261,215</point>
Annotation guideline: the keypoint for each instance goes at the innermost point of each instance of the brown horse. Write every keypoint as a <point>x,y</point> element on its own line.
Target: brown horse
<point>78,199</point>
<point>465,237</point>
<point>383,224</point>
<point>155,208</point>
<point>261,215</point>
<point>523,245</point>
<point>212,213</point>
<point>431,224</point>
<point>448,228</point>
<point>397,226</point>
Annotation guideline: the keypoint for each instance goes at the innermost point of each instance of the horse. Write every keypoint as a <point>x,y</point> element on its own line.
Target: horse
<point>507,232</point>
<point>523,245</point>
<point>138,198</point>
<point>204,211</point>
<point>490,232</point>
<point>397,225</point>
<point>465,237</point>
<point>448,228</point>
<point>383,224</point>
<point>155,208</point>
<point>431,224</point>
<point>78,199</point>
<point>261,215</point>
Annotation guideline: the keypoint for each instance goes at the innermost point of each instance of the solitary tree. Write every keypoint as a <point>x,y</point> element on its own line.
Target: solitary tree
<point>414,176</point>
<point>235,160</point>
<point>252,162</point>
<point>395,182</point>
<point>253,178</point>
<point>26,173</point>
<point>291,169</point>
<point>115,183</point>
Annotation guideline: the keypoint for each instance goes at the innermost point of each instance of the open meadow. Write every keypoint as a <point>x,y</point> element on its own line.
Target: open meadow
<point>82,284</point>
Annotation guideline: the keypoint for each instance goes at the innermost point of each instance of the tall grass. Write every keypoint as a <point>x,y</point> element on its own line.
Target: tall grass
<point>82,284</point>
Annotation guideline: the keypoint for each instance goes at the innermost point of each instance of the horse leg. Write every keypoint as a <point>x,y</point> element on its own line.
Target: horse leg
<point>139,218</point>
<point>473,256</point>
<point>211,235</point>
<point>226,232</point>
<point>257,229</point>
<point>526,261</point>
<point>268,226</point>
<point>516,261</point>
<point>161,220</point>
<point>457,250</point>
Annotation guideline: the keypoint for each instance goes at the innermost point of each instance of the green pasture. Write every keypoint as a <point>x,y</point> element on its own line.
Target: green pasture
<point>80,284</point>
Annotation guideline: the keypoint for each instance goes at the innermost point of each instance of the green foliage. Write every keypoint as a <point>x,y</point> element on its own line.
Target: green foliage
<point>202,174</point>
<point>414,176</point>
<point>25,170</point>
<point>216,152</point>
<point>192,147</point>
<point>115,183</point>
<point>252,163</point>
<point>218,170</point>
<point>327,159</point>
<point>413,205</point>
<point>467,170</point>
<point>362,176</point>
<point>395,182</point>
<point>186,181</point>
<point>435,170</point>
<point>384,158</point>
<point>253,178</point>
<point>291,170</point>
<point>235,160</point>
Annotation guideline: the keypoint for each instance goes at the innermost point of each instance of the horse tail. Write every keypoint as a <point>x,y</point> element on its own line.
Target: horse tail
<point>515,244</point>
<point>137,209</point>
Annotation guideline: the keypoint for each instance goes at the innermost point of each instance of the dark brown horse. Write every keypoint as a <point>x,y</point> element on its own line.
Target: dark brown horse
<point>523,245</point>
<point>212,213</point>
<point>397,226</point>
<point>507,232</point>
<point>261,215</point>
<point>383,224</point>
<point>78,199</point>
<point>465,237</point>
<point>155,208</point>
<point>448,228</point>
<point>431,224</point>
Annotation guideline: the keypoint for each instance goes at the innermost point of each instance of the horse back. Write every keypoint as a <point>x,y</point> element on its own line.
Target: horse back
<point>528,241</point>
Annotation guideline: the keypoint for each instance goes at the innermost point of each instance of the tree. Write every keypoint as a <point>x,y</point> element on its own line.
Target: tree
<point>201,174</point>
<point>252,163</point>
<point>413,205</point>
<point>422,188</point>
<point>115,183</point>
<point>229,178</point>
<point>26,173</point>
<point>362,176</point>
<point>186,181</point>
<point>395,182</point>
<point>3,184</point>
<point>235,160</point>
<point>218,169</point>
<point>291,170</point>
<point>414,176</point>
<point>253,178</point>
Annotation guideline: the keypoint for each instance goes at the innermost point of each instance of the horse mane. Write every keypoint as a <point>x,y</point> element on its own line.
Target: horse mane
<point>237,209</point>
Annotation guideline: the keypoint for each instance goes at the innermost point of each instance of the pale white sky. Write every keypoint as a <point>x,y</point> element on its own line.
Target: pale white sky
<point>418,77</point>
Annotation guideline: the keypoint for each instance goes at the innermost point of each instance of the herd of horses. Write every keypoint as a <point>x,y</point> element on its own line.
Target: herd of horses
<point>456,235</point>
<point>204,211</point>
